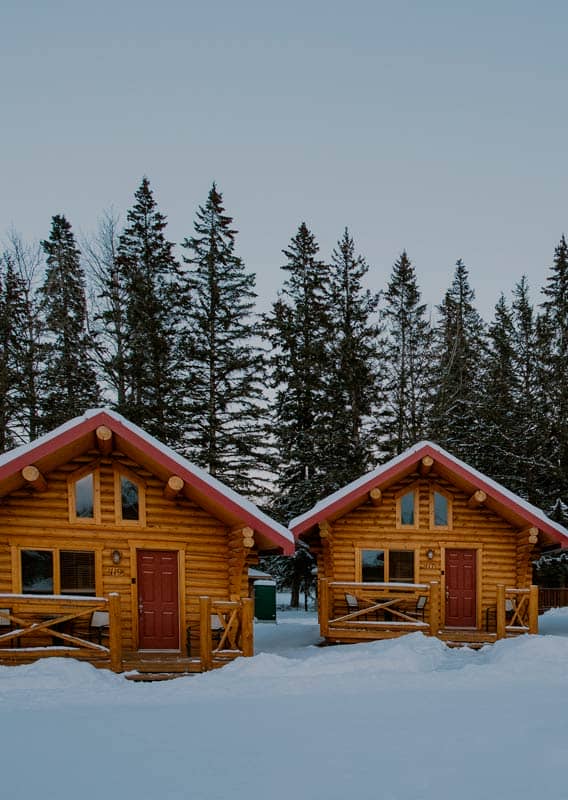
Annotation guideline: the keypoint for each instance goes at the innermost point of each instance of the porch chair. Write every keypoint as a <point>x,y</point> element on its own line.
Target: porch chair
<point>418,612</point>
<point>6,625</point>
<point>216,630</point>
<point>99,625</point>
<point>352,603</point>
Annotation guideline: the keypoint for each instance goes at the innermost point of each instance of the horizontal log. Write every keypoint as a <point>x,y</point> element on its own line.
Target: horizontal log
<point>376,496</point>
<point>34,478</point>
<point>104,440</point>
<point>173,487</point>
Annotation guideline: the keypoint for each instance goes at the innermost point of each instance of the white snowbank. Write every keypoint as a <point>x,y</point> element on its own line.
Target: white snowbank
<point>405,719</point>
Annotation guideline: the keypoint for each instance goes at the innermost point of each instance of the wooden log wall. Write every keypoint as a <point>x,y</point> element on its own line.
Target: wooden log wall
<point>36,520</point>
<point>504,557</point>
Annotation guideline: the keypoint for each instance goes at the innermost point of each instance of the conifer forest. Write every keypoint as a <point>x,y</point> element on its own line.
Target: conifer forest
<point>287,406</point>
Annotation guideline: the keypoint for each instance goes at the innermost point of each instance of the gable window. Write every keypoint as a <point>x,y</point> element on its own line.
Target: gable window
<point>387,566</point>
<point>58,572</point>
<point>407,508</point>
<point>84,495</point>
<point>440,509</point>
<point>129,497</point>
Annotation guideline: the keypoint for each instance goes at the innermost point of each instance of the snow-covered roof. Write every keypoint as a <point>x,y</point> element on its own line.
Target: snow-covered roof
<point>386,472</point>
<point>14,460</point>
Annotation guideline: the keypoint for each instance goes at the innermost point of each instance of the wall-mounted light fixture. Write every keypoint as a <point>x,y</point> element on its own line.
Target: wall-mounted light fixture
<point>116,556</point>
<point>430,554</point>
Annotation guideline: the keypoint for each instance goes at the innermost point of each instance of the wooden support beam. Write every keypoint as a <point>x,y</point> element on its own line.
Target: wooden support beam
<point>533,609</point>
<point>205,644</point>
<point>324,529</point>
<point>247,627</point>
<point>477,499</point>
<point>426,465</point>
<point>435,608</point>
<point>376,496</point>
<point>115,632</point>
<point>501,613</point>
<point>173,487</point>
<point>34,478</point>
<point>531,534</point>
<point>104,440</point>
<point>248,536</point>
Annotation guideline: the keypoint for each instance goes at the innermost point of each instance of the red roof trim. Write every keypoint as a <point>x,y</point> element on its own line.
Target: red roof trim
<point>451,465</point>
<point>90,424</point>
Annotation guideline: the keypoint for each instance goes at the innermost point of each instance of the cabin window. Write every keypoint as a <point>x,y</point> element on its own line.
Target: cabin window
<point>387,566</point>
<point>407,508</point>
<point>129,497</point>
<point>85,497</point>
<point>440,510</point>
<point>76,573</point>
<point>83,491</point>
<point>37,572</point>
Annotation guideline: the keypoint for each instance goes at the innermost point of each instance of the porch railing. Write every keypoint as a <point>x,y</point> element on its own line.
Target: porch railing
<point>380,607</point>
<point>33,626</point>
<point>231,621</point>
<point>517,611</point>
<point>556,597</point>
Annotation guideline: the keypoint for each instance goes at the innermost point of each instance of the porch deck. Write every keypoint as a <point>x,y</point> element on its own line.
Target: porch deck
<point>44,626</point>
<point>389,610</point>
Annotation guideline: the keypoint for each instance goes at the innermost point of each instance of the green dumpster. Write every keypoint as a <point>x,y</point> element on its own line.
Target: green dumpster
<point>265,601</point>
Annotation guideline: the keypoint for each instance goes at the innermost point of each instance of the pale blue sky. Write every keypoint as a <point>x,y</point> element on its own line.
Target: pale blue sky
<point>436,127</point>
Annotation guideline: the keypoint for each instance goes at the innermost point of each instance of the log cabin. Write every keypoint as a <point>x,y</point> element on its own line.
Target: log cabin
<point>426,543</point>
<point>116,550</point>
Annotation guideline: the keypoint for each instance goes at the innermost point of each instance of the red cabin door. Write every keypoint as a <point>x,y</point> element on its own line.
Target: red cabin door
<point>461,603</point>
<point>158,600</point>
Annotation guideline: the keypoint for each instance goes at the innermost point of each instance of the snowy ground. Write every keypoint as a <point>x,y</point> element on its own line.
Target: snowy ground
<point>406,719</point>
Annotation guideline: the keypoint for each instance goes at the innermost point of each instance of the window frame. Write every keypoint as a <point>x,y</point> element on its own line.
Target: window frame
<point>56,553</point>
<point>434,489</point>
<point>120,471</point>
<point>77,475</point>
<point>392,546</point>
<point>414,489</point>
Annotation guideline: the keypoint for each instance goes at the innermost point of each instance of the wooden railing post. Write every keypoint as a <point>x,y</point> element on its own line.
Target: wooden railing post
<point>533,609</point>
<point>323,605</point>
<point>247,630</point>
<point>500,611</point>
<point>115,632</point>
<point>434,608</point>
<point>205,643</point>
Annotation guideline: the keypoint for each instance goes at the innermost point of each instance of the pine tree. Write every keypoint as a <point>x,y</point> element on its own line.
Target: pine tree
<point>500,391</point>
<point>69,382</point>
<point>352,388</point>
<point>27,260</point>
<point>553,355</point>
<point>149,280</point>
<point>224,365</point>
<point>460,352</point>
<point>530,471</point>
<point>407,355</point>
<point>299,330</point>
<point>101,255</point>
<point>12,326</point>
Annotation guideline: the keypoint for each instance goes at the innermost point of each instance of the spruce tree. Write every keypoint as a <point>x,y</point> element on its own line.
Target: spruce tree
<point>352,387</point>
<point>149,280</point>
<point>101,255</point>
<point>68,382</point>
<point>459,356</point>
<point>300,329</point>
<point>12,331</point>
<point>407,354</point>
<point>224,370</point>
<point>553,356</point>
<point>500,391</point>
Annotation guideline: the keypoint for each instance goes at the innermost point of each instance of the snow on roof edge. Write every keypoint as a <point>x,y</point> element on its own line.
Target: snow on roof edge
<point>380,470</point>
<point>199,473</point>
